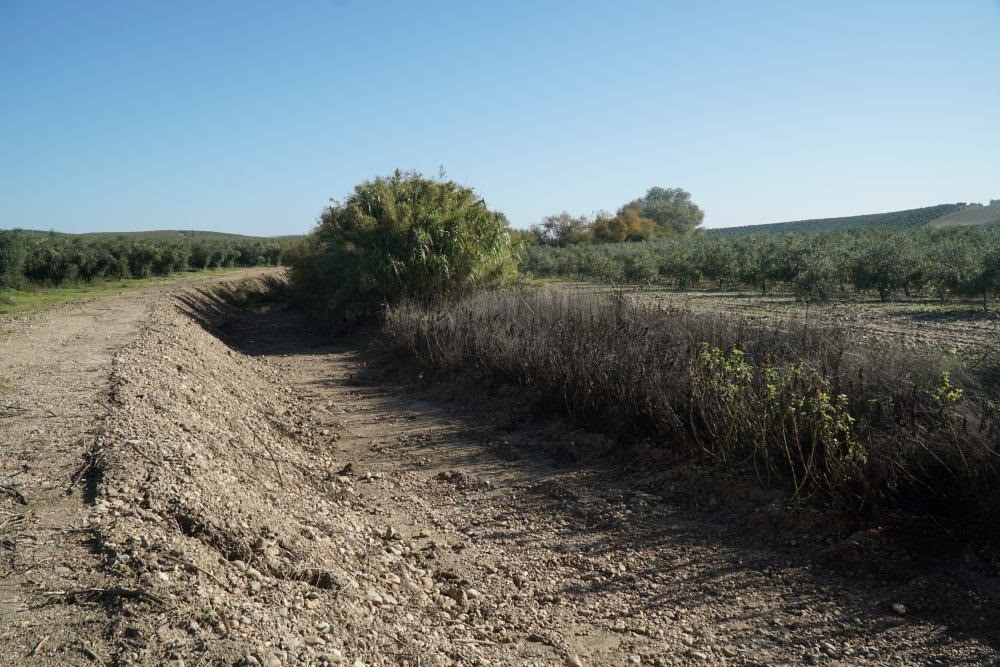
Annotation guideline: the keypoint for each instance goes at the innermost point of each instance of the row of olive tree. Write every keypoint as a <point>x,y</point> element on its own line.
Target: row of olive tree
<point>54,259</point>
<point>944,262</point>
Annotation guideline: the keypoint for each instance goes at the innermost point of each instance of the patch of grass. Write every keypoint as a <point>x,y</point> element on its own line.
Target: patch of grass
<point>25,302</point>
<point>4,387</point>
<point>874,428</point>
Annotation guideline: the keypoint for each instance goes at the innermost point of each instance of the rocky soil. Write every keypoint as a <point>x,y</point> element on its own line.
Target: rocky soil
<point>54,381</point>
<point>250,495</point>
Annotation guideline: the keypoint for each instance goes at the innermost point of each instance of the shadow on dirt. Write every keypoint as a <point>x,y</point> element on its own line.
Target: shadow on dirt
<point>613,501</point>
<point>237,314</point>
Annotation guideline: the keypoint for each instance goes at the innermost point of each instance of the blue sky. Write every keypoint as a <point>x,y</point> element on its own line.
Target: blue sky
<point>248,116</point>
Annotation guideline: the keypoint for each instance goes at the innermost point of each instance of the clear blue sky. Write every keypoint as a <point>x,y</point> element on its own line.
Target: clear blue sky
<point>248,116</point>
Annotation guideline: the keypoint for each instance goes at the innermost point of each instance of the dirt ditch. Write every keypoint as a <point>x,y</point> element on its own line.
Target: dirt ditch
<point>255,496</point>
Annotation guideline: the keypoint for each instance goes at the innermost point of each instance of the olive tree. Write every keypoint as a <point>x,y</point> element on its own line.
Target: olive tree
<point>562,229</point>
<point>12,257</point>
<point>670,208</point>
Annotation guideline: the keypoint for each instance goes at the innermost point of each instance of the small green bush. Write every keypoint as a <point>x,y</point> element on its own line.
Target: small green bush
<point>401,236</point>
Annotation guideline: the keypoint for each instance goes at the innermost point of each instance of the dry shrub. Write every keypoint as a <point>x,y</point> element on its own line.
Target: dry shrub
<point>867,424</point>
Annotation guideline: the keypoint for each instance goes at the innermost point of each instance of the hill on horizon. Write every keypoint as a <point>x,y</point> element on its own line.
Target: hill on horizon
<point>973,214</point>
<point>914,217</point>
<point>165,235</point>
<point>941,215</point>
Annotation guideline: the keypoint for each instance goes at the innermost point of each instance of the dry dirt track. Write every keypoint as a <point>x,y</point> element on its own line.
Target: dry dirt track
<point>54,374</point>
<point>275,500</point>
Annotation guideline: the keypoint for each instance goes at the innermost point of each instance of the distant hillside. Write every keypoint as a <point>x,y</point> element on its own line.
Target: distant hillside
<point>168,235</point>
<point>914,217</point>
<point>973,214</point>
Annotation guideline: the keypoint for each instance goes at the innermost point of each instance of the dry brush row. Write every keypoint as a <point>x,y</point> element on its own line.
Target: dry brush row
<point>869,426</point>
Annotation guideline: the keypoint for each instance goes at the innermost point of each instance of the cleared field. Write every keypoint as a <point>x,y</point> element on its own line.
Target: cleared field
<point>916,217</point>
<point>974,214</point>
<point>959,325</point>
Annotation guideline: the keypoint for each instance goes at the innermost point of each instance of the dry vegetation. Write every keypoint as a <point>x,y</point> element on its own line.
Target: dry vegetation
<point>875,427</point>
<point>252,495</point>
<point>243,493</point>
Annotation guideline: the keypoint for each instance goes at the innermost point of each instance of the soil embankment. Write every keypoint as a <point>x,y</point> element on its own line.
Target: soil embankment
<point>54,378</point>
<point>259,497</point>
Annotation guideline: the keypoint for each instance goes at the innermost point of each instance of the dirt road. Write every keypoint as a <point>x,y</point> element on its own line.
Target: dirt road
<point>259,497</point>
<point>54,374</point>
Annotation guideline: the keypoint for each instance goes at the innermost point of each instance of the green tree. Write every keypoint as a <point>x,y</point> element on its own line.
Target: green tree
<point>987,279</point>
<point>401,236</point>
<point>953,263</point>
<point>670,208</point>
<point>816,276</point>
<point>562,229</point>
<point>883,264</point>
<point>141,259</point>
<point>627,226</point>
<point>12,257</point>
<point>677,261</point>
<point>717,260</point>
<point>201,255</point>
<point>756,259</point>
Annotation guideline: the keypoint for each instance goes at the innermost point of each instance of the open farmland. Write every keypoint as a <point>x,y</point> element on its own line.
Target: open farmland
<point>955,326</point>
<point>418,334</point>
<point>917,217</point>
<point>970,215</point>
<point>220,487</point>
<point>391,454</point>
<point>943,264</point>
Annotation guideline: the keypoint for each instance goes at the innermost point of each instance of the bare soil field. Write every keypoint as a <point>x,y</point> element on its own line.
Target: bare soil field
<point>955,326</point>
<point>187,483</point>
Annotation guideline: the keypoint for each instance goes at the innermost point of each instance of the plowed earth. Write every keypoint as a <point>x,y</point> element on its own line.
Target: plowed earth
<point>958,326</point>
<point>187,483</point>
